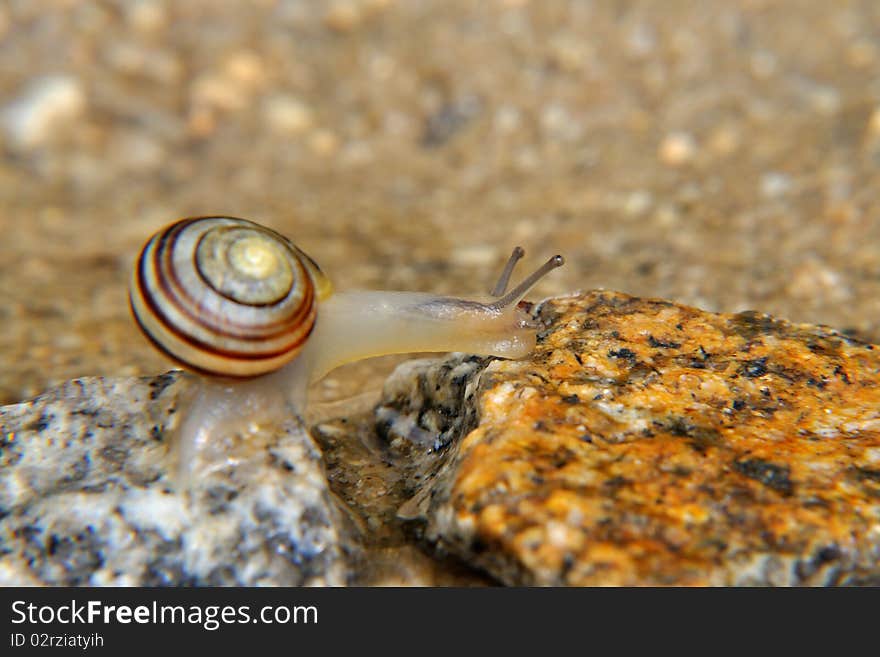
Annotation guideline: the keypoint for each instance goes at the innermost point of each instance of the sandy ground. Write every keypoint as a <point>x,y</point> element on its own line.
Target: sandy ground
<point>721,154</point>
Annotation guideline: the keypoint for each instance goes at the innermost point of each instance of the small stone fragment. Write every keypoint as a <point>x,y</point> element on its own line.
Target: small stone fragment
<point>474,255</point>
<point>324,143</point>
<point>724,140</point>
<point>147,16</point>
<point>649,443</point>
<point>677,149</point>
<point>45,105</point>
<point>343,16</point>
<point>775,184</point>
<point>874,124</point>
<point>287,115</point>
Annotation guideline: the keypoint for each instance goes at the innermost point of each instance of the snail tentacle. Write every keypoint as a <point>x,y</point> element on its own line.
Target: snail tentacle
<point>504,279</point>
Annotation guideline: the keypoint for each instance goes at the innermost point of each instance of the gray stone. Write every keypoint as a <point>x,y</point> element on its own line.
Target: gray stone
<point>88,495</point>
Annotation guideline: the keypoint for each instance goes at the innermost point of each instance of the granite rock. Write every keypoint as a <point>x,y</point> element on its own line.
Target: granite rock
<point>89,496</point>
<point>649,443</point>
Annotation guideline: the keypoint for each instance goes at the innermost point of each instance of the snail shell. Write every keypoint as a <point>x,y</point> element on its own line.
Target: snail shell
<point>225,296</point>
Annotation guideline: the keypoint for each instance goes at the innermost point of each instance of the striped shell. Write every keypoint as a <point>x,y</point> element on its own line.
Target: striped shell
<point>225,296</point>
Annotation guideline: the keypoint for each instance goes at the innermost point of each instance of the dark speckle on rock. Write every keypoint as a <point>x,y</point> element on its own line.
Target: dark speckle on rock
<point>868,474</point>
<point>754,368</point>
<point>159,383</point>
<point>662,344</point>
<point>840,372</point>
<point>624,354</point>
<point>777,477</point>
<point>40,424</point>
<point>750,324</point>
<point>615,483</point>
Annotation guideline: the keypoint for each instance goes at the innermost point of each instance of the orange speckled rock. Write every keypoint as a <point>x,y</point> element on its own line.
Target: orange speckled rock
<point>650,443</point>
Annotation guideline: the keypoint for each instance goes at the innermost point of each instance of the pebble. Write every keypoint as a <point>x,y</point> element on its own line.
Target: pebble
<point>212,90</point>
<point>638,202</point>
<point>138,152</point>
<point>862,54</point>
<point>677,149</point>
<point>823,99</point>
<point>812,280</point>
<point>507,119</point>
<point>348,15</point>
<point>558,123</point>
<point>775,184</point>
<point>147,16</point>
<point>245,68</point>
<point>570,53</point>
<point>724,140</point>
<point>874,124</point>
<point>763,64</point>
<point>343,16</point>
<point>474,255</point>
<point>287,115</point>
<point>324,143</point>
<point>46,105</point>
<point>640,41</point>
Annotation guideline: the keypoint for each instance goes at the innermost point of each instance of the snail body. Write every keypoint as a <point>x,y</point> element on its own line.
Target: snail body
<point>243,306</point>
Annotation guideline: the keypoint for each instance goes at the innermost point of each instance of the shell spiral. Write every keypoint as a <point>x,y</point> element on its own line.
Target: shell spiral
<point>225,296</point>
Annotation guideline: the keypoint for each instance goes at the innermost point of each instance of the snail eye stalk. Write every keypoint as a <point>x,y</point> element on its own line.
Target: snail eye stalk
<point>516,294</point>
<point>504,279</point>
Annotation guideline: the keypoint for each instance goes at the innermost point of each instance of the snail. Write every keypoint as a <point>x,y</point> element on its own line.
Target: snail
<point>241,305</point>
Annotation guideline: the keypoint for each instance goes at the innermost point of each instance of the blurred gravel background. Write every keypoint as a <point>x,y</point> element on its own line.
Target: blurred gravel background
<point>722,154</point>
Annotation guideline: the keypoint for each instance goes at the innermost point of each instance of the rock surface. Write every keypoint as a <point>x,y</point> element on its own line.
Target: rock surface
<point>87,496</point>
<point>649,443</point>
